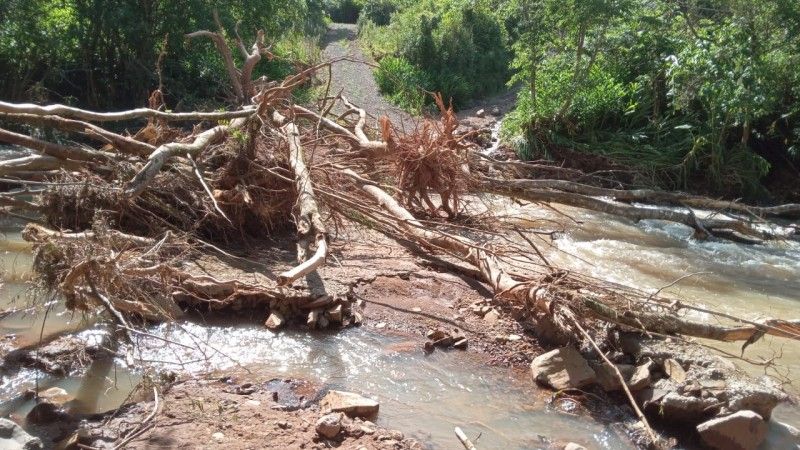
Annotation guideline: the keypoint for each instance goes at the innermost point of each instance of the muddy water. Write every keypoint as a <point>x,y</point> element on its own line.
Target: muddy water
<point>749,281</point>
<point>424,396</point>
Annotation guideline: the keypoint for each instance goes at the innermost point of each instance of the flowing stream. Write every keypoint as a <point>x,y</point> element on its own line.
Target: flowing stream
<point>426,396</point>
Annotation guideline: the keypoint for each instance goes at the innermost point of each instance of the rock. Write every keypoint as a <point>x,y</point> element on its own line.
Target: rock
<point>335,314</point>
<point>562,369</point>
<point>480,113</point>
<point>329,425</point>
<point>368,427</point>
<point>435,335</point>
<point>312,319</point>
<point>640,378</point>
<point>13,437</point>
<point>380,325</point>
<point>219,437</point>
<point>349,403</point>
<point>275,320</point>
<point>283,425</point>
<point>496,111</point>
<point>744,430</point>
<point>672,406</point>
<point>56,396</point>
<point>607,378</point>
<point>444,342</point>
<point>461,344</point>
<point>46,413</point>
<point>574,446</point>
<point>674,370</point>
<point>416,309</point>
<point>492,316</point>
<point>513,337</point>
<point>428,347</point>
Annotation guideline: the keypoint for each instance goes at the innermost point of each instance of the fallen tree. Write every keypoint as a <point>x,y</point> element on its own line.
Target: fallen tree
<point>122,222</point>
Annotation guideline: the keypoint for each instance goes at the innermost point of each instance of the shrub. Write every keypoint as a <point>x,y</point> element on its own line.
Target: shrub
<point>459,46</point>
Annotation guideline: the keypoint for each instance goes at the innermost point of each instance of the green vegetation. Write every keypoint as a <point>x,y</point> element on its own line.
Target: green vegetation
<point>455,47</point>
<point>103,53</point>
<point>700,93</point>
<point>693,92</point>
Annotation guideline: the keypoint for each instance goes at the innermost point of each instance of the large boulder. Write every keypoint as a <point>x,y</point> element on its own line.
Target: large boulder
<point>743,430</point>
<point>563,368</point>
<point>13,437</point>
<point>353,405</point>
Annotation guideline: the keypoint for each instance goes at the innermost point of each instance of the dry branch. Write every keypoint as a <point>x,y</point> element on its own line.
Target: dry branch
<point>138,113</point>
<point>163,153</point>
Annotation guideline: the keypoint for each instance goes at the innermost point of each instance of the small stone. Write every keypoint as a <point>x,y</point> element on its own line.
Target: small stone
<point>743,430</point>
<point>496,111</point>
<point>574,446</point>
<point>219,437</point>
<point>357,318</point>
<point>416,309</point>
<point>492,316</point>
<point>562,368</point>
<point>444,342</point>
<point>349,403</point>
<point>461,344</point>
<point>428,346</point>
<point>608,379</point>
<point>380,325</point>
<point>313,319</point>
<point>480,113</point>
<point>335,314</point>
<point>56,396</point>
<point>283,425</point>
<point>368,427</point>
<point>275,320</point>
<point>253,403</point>
<point>329,425</point>
<point>435,335</point>
<point>640,378</point>
<point>674,370</point>
<point>513,337</point>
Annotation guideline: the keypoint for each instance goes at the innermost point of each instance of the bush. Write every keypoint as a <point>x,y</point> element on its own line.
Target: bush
<point>402,82</point>
<point>378,12</point>
<point>460,48</point>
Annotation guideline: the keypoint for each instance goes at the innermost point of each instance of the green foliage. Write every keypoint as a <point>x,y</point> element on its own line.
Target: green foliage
<point>688,92</point>
<point>400,80</point>
<point>459,46</point>
<point>378,12</point>
<point>343,11</point>
<point>103,53</point>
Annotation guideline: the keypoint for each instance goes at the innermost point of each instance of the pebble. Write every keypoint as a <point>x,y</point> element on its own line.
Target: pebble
<point>219,437</point>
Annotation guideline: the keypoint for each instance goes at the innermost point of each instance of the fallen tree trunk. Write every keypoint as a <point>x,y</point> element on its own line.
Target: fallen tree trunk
<point>651,196</point>
<point>310,227</point>
<point>703,226</point>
